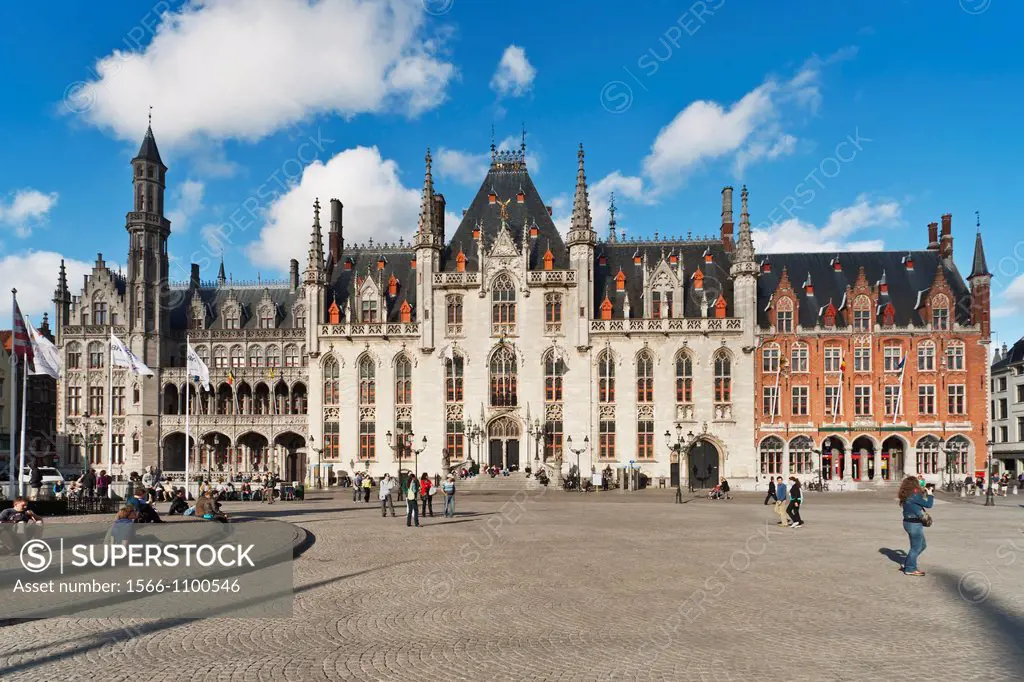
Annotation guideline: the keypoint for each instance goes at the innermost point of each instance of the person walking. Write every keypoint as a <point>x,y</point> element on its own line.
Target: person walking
<point>102,483</point>
<point>35,481</point>
<point>795,498</point>
<point>357,489</point>
<point>780,501</point>
<point>426,492</point>
<point>771,492</point>
<point>411,510</point>
<point>914,499</point>
<point>367,488</point>
<point>387,484</point>
<point>448,488</point>
<point>88,482</point>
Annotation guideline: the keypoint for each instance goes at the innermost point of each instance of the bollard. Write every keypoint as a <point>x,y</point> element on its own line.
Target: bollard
<point>1015,489</point>
<point>963,491</point>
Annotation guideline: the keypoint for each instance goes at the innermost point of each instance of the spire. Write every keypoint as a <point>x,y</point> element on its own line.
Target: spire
<point>315,265</point>
<point>581,228</point>
<point>148,150</point>
<point>745,243</point>
<point>221,277</point>
<point>62,279</point>
<point>429,230</point>
<point>612,234</point>
<point>980,267</point>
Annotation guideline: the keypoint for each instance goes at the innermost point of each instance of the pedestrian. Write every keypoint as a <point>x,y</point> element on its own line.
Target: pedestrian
<point>35,480</point>
<point>779,494</point>
<point>914,498</point>
<point>102,483</point>
<point>771,492</point>
<point>448,487</point>
<point>357,489</point>
<point>88,482</point>
<point>367,486</point>
<point>795,498</point>
<point>386,485</point>
<point>411,511</point>
<point>426,492</point>
<point>725,489</point>
<point>679,493</point>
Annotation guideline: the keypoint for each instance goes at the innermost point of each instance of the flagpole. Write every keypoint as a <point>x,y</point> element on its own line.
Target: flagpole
<point>899,395</point>
<point>12,486</point>
<point>110,413</point>
<point>188,434</point>
<point>24,402</point>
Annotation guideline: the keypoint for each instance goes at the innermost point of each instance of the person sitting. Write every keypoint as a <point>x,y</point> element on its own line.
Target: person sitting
<point>179,505</point>
<point>724,487</point>
<point>19,513</point>
<point>144,510</point>
<point>208,509</point>
<point>123,530</point>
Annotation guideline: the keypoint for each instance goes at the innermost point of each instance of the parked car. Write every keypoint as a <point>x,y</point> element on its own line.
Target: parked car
<point>50,476</point>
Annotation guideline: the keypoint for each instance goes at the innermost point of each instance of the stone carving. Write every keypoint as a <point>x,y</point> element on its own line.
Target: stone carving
<point>553,411</point>
<point>645,412</point>
<point>453,412</point>
<point>684,412</point>
<point>367,414</point>
<point>606,413</point>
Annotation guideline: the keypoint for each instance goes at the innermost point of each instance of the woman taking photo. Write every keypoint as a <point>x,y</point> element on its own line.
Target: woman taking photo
<point>914,498</point>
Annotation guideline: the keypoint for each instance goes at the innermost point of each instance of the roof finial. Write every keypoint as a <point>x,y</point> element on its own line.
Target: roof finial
<point>150,116</point>
<point>494,149</point>
<point>977,220</point>
<point>612,235</point>
<point>522,145</point>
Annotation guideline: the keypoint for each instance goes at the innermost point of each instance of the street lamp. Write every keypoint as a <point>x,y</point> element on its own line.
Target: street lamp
<point>990,500</point>
<point>578,452</point>
<point>680,447</point>
<point>474,434</point>
<point>319,452</point>
<point>416,451</point>
<point>536,431</point>
<point>398,446</point>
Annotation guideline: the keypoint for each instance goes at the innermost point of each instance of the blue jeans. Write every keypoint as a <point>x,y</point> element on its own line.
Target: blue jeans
<point>449,505</point>
<point>412,513</point>
<point>917,545</point>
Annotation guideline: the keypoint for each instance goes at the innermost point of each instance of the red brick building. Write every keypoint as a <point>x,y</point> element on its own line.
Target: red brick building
<point>873,364</point>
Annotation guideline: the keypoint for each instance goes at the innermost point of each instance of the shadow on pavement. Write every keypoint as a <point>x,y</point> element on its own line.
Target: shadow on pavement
<point>895,555</point>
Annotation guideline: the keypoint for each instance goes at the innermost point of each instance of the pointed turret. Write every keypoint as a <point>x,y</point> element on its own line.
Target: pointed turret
<point>430,232</point>
<point>745,242</point>
<point>315,263</point>
<point>148,150</point>
<point>613,235</point>
<point>221,277</point>
<point>61,300</point>
<point>981,285</point>
<point>979,267</point>
<point>581,229</point>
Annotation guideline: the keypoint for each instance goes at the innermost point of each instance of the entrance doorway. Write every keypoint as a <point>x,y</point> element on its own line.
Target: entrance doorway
<point>862,459</point>
<point>892,459</point>
<point>703,460</point>
<point>503,443</point>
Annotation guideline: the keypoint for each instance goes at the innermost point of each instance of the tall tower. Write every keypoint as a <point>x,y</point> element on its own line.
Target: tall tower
<point>61,302</point>
<point>148,230</point>
<point>980,280</point>
<point>314,281</point>
<point>428,244</point>
<point>744,274</point>
<point>581,241</point>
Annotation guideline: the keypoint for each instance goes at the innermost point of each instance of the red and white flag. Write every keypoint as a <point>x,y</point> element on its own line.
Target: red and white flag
<point>21,343</point>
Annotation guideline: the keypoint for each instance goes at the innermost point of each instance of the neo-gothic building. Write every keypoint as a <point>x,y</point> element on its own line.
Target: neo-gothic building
<point>500,341</point>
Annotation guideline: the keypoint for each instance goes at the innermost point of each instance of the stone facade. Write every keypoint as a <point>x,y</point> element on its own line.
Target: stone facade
<point>1008,409</point>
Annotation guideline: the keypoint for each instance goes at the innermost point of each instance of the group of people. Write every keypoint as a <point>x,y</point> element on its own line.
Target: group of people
<point>787,502</point>
<point>417,491</point>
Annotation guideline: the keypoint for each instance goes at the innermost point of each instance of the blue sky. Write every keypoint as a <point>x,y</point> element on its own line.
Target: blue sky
<point>892,112</point>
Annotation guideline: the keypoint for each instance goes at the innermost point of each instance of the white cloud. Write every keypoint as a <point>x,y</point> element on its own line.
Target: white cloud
<point>25,208</point>
<point>770,147</point>
<point>514,76</point>
<point>218,69</point>
<point>1012,299</point>
<point>794,234</point>
<point>377,206</point>
<point>188,201</point>
<point>34,275</point>
<point>462,167</point>
<point>561,212</point>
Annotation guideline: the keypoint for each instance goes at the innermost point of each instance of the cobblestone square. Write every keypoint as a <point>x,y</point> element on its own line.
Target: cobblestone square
<point>608,586</point>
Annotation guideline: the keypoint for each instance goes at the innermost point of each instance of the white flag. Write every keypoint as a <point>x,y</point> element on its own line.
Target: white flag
<point>46,357</point>
<point>196,367</point>
<point>121,356</point>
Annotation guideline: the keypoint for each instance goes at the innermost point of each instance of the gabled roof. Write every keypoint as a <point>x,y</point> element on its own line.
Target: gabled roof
<point>249,297</point>
<point>364,258</point>
<point>1013,356</point>
<point>506,177</point>
<point>904,286</point>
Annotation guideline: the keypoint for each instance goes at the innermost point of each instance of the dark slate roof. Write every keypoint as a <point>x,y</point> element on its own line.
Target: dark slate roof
<point>148,150</point>
<point>1013,356</point>
<point>249,298</point>
<point>621,255</point>
<point>506,177</point>
<point>905,287</point>
<point>979,268</point>
<point>398,261</point>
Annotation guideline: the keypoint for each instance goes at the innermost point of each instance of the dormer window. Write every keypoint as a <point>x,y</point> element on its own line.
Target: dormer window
<point>698,280</point>
<point>534,231</point>
<point>476,232</point>
<point>602,260</point>
<point>766,267</point>
<point>830,317</point>
<point>334,313</point>
<point>549,260</point>
<point>460,262</point>
<point>720,306</point>
<point>392,286</point>
<point>836,265</point>
<point>368,311</point>
<point>492,198</point>
<point>862,314</point>
<point>521,197</point>
<point>381,262</point>
<point>405,313</point>
<point>267,318</point>
<point>707,256</point>
<point>888,315</point>
<point>661,304</point>
<point>620,281</point>
<point>908,261</point>
<point>348,263</point>
<point>940,313</point>
<point>637,260</point>
<point>784,315</point>
<point>673,259</point>
<point>606,309</point>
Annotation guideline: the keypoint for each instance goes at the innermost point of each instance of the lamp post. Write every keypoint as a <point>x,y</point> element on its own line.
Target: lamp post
<point>536,432</point>
<point>397,447</point>
<point>680,447</point>
<point>578,452</point>
<point>474,434</point>
<point>416,451</point>
<point>990,500</point>
<point>319,452</point>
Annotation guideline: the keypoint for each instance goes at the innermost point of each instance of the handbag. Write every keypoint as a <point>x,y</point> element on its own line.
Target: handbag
<point>926,519</point>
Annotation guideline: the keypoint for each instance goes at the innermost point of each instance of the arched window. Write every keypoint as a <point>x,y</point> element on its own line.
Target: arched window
<point>454,314</point>
<point>606,377</point>
<point>74,356</point>
<point>723,378</point>
<point>403,381</point>
<point>503,306</point>
<point>801,455</point>
<point>552,313</point>
<point>291,356</point>
<point>940,313</point>
<point>958,449</point>
<point>96,355</point>
<point>453,368</point>
<point>554,370</point>
<point>99,312</point>
<point>204,354</point>
<point>928,455</point>
<point>503,378</point>
<point>644,378</point>
<point>367,381</point>
<point>684,378</point>
<point>255,356</point>
<point>771,456</point>
<point>237,357</point>
<point>798,358</point>
<point>770,358</point>
<point>332,376</point>
<point>862,314</point>
<point>926,356</point>
<point>273,356</point>
<point>784,315</point>
<point>220,357</point>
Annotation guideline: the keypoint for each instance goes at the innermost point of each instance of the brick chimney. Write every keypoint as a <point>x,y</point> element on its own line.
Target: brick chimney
<point>933,236</point>
<point>336,237</point>
<point>727,223</point>
<point>946,238</point>
<point>293,274</point>
<point>439,205</point>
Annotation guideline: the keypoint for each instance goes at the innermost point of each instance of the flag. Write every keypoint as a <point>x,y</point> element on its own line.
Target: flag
<point>842,366</point>
<point>47,357</point>
<point>121,356</point>
<point>21,344</point>
<point>903,361</point>
<point>231,378</point>
<point>271,373</point>
<point>196,367</point>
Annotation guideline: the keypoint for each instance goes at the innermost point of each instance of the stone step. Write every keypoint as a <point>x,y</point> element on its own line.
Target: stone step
<point>485,483</point>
